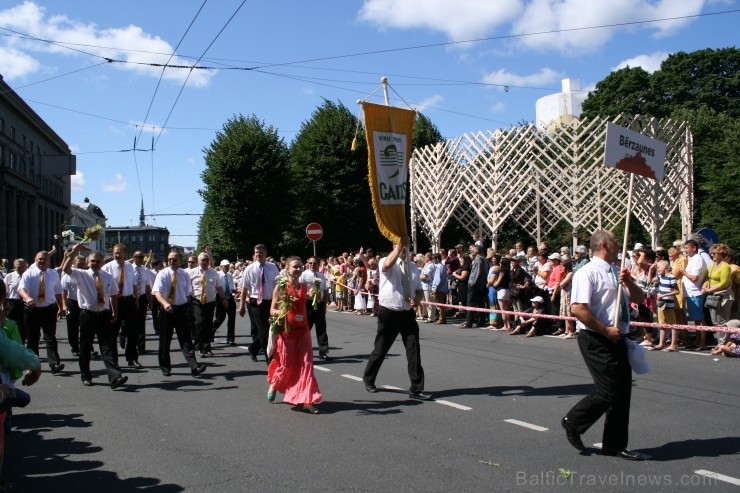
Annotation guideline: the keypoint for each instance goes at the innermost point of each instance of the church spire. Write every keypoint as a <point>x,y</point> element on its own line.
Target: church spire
<point>141,213</point>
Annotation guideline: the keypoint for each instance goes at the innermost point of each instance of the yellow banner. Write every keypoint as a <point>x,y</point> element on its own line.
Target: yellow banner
<point>389,132</point>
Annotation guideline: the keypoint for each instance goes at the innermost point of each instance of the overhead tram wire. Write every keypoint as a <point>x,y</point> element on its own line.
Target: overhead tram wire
<point>164,125</point>
<point>55,77</point>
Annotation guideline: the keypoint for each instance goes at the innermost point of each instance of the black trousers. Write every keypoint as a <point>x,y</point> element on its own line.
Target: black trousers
<point>141,309</point>
<point>317,317</point>
<point>127,319</point>
<point>73,325</point>
<point>155,314</point>
<point>15,313</point>
<point>177,321</point>
<point>476,299</point>
<point>97,324</point>
<point>228,314</point>
<point>202,314</point>
<point>607,362</point>
<point>43,319</point>
<point>260,317</point>
<point>390,324</point>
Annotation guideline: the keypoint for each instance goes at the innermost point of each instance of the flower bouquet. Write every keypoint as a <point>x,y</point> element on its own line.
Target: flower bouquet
<point>316,292</point>
<point>281,321</point>
<point>91,234</point>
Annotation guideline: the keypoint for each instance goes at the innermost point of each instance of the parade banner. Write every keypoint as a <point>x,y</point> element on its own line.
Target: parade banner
<point>389,132</point>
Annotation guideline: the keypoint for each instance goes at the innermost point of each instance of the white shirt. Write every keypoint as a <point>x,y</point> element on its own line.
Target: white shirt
<point>87,290</point>
<point>428,271</point>
<point>695,266</point>
<point>70,286</point>
<point>250,280</point>
<point>11,284</point>
<point>213,281</point>
<point>595,285</point>
<point>163,282</point>
<point>307,278</point>
<point>31,282</point>
<point>391,295</point>
<point>114,269</point>
<point>143,278</point>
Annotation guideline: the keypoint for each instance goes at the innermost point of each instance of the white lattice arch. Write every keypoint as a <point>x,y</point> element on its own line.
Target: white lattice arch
<point>540,178</point>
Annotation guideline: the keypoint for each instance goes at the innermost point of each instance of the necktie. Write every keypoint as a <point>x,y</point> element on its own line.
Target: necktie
<point>137,286</point>
<point>99,287</point>
<point>42,287</point>
<point>624,309</point>
<point>203,297</point>
<point>261,284</point>
<point>173,288</point>
<point>120,282</point>
<point>406,280</point>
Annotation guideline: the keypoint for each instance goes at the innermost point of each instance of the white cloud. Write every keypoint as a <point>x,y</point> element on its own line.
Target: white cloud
<point>119,185</point>
<point>191,161</point>
<point>78,181</point>
<point>307,90</point>
<point>428,102</point>
<point>15,64</point>
<point>498,107</point>
<point>459,19</point>
<point>650,63</point>
<point>31,19</point>
<point>471,19</point>
<point>503,77</point>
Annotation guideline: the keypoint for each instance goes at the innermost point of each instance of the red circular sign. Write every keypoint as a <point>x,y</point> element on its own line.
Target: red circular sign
<point>314,231</point>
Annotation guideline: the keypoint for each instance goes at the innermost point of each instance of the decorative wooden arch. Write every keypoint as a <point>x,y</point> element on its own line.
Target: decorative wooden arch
<point>539,178</point>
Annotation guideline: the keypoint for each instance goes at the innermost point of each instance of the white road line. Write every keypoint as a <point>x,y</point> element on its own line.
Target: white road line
<point>526,425</point>
<point>321,368</point>
<point>716,475</point>
<point>697,353</point>
<point>244,347</point>
<point>352,377</point>
<point>597,445</point>
<point>391,387</point>
<point>453,404</point>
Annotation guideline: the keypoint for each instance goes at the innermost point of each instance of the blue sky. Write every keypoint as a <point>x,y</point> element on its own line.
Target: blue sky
<point>99,108</point>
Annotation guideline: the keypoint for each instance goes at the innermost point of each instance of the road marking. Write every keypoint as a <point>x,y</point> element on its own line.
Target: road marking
<point>352,377</point>
<point>716,475</point>
<point>245,347</point>
<point>698,353</point>
<point>526,425</point>
<point>391,387</point>
<point>597,445</point>
<point>453,404</point>
<point>321,368</point>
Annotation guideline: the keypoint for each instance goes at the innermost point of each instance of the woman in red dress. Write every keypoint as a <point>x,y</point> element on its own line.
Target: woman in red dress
<point>291,369</point>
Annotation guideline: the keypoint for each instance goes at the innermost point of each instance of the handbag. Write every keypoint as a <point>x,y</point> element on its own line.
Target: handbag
<point>637,356</point>
<point>713,301</point>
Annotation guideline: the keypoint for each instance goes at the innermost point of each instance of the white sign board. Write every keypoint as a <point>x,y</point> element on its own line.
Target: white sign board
<point>634,152</point>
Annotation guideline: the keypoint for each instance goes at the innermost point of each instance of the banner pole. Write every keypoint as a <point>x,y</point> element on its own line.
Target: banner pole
<point>624,249</point>
<point>384,81</point>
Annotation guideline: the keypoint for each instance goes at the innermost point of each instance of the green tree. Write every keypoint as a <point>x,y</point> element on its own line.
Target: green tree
<point>245,188</point>
<point>703,88</point>
<point>425,132</point>
<point>330,184</point>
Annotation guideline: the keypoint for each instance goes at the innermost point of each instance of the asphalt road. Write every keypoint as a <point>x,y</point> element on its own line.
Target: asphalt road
<point>494,424</point>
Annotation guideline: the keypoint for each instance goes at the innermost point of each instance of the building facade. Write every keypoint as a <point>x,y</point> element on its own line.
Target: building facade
<point>86,215</point>
<point>35,183</point>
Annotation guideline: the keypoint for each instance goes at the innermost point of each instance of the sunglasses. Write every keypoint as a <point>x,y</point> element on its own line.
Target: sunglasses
<point>173,260</point>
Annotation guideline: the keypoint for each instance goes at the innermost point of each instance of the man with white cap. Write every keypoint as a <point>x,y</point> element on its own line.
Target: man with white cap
<point>227,312</point>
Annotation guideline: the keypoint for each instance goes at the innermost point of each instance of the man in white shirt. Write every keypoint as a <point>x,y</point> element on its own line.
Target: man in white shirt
<point>316,314</point>
<point>257,285</point>
<point>97,298</point>
<point>400,293</point>
<point>71,306</point>
<point>603,345</point>
<point>227,312</point>
<point>692,279</point>
<point>172,288</point>
<point>123,275</point>
<point>15,303</point>
<point>143,280</point>
<point>207,291</point>
<point>41,290</point>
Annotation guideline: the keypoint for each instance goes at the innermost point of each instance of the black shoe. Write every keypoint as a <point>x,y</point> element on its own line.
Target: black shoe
<point>87,382</point>
<point>623,454</point>
<point>209,354</point>
<point>166,373</point>
<point>122,342</point>
<point>197,371</point>
<point>371,388</point>
<point>324,356</point>
<point>202,355</point>
<point>57,368</point>
<point>76,354</point>
<point>253,356</point>
<point>135,364</point>
<point>420,396</point>
<point>230,343</point>
<point>95,355</point>
<point>118,382</point>
<point>574,438</point>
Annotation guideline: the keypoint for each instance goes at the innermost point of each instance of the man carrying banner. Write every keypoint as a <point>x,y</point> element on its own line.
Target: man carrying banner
<point>400,293</point>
